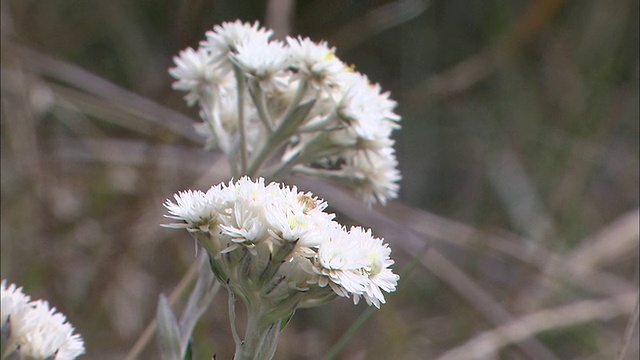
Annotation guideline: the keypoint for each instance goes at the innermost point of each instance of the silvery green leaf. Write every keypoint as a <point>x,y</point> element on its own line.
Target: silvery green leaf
<point>286,320</point>
<point>200,298</point>
<point>188,354</point>
<point>283,252</point>
<point>168,331</point>
<point>291,124</point>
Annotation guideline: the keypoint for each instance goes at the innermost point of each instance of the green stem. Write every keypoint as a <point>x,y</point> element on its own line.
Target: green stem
<point>282,131</point>
<point>304,155</point>
<point>261,338</point>
<point>232,318</point>
<point>260,101</point>
<point>302,89</point>
<point>322,125</point>
<point>337,176</point>
<point>241,128</point>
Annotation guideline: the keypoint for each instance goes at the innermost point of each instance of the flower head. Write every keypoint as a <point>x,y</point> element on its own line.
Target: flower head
<point>377,258</point>
<point>261,59</point>
<point>37,331</point>
<point>272,234</point>
<point>225,39</point>
<point>14,301</point>
<point>376,173</point>
<point>194,208</point>
<point>368,112</point>
<point>315,62</point>
<point>356,264</point>
<point>194,73</point>
<point>340,262</point>
<point>294,99</point>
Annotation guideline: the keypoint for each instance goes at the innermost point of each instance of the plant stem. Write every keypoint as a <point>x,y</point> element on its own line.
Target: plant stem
<point>232,318</point>
<point>297,98</point>
<point>261,338</point>
<point>240,80</point>
<point>282,131</point>
<point>260,101</point>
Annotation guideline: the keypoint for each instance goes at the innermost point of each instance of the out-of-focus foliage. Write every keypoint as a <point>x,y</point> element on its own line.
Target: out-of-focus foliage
<point>520,131</point>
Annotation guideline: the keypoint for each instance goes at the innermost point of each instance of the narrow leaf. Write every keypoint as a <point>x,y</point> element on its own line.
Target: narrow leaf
<point>188,354</point>
<point>199,300</point>
<point>291,124</point>
<point>168,332</point>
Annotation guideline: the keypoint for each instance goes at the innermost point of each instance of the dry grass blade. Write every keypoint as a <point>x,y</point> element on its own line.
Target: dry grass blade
<point>610,243</point>
<point>433,260</point>
<point>461,76</point>
<point>376,21</point>
<point>116,95</point>
<point>483,302</point>
<point>493,340</point>
<point>415,226</point>
<point>459,234</point>
<point>632,327</point>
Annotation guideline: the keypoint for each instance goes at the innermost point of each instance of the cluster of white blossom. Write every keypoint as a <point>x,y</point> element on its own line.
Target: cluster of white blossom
<point>273,242</point>
<point>296,100</point>
<point>33,330</point>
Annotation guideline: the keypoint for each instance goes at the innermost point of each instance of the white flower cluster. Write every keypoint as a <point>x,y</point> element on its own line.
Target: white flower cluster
<point>33,330</point>
<point>259,97</point>
<point>272,239</point>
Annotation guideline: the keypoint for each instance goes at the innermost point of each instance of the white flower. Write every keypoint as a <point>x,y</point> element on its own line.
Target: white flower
<point>220,116</point>
<point>277,230</point>
<point>46,333</point>
<point>37,331</point>
<point>262,59</point>
<point>315,62</point>
<point>340,263</point>
<point>244,225</point>
<point>194,73</point>
<point>366,135</point>
<point>194,208</point>
<point>226,37</point>
<point>13,300</point>
<point>255,195</point>
<point>345,134</point>
<point>300,218</point>
<point>376,175</point>
<point>297,271</point>
<point>377,267</point>
<point>365,109</point>
<point>72,348</point>
<point>356,264</point>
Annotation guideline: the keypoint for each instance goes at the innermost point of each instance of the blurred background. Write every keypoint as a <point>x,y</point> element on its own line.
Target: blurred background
<point>516,230</point>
